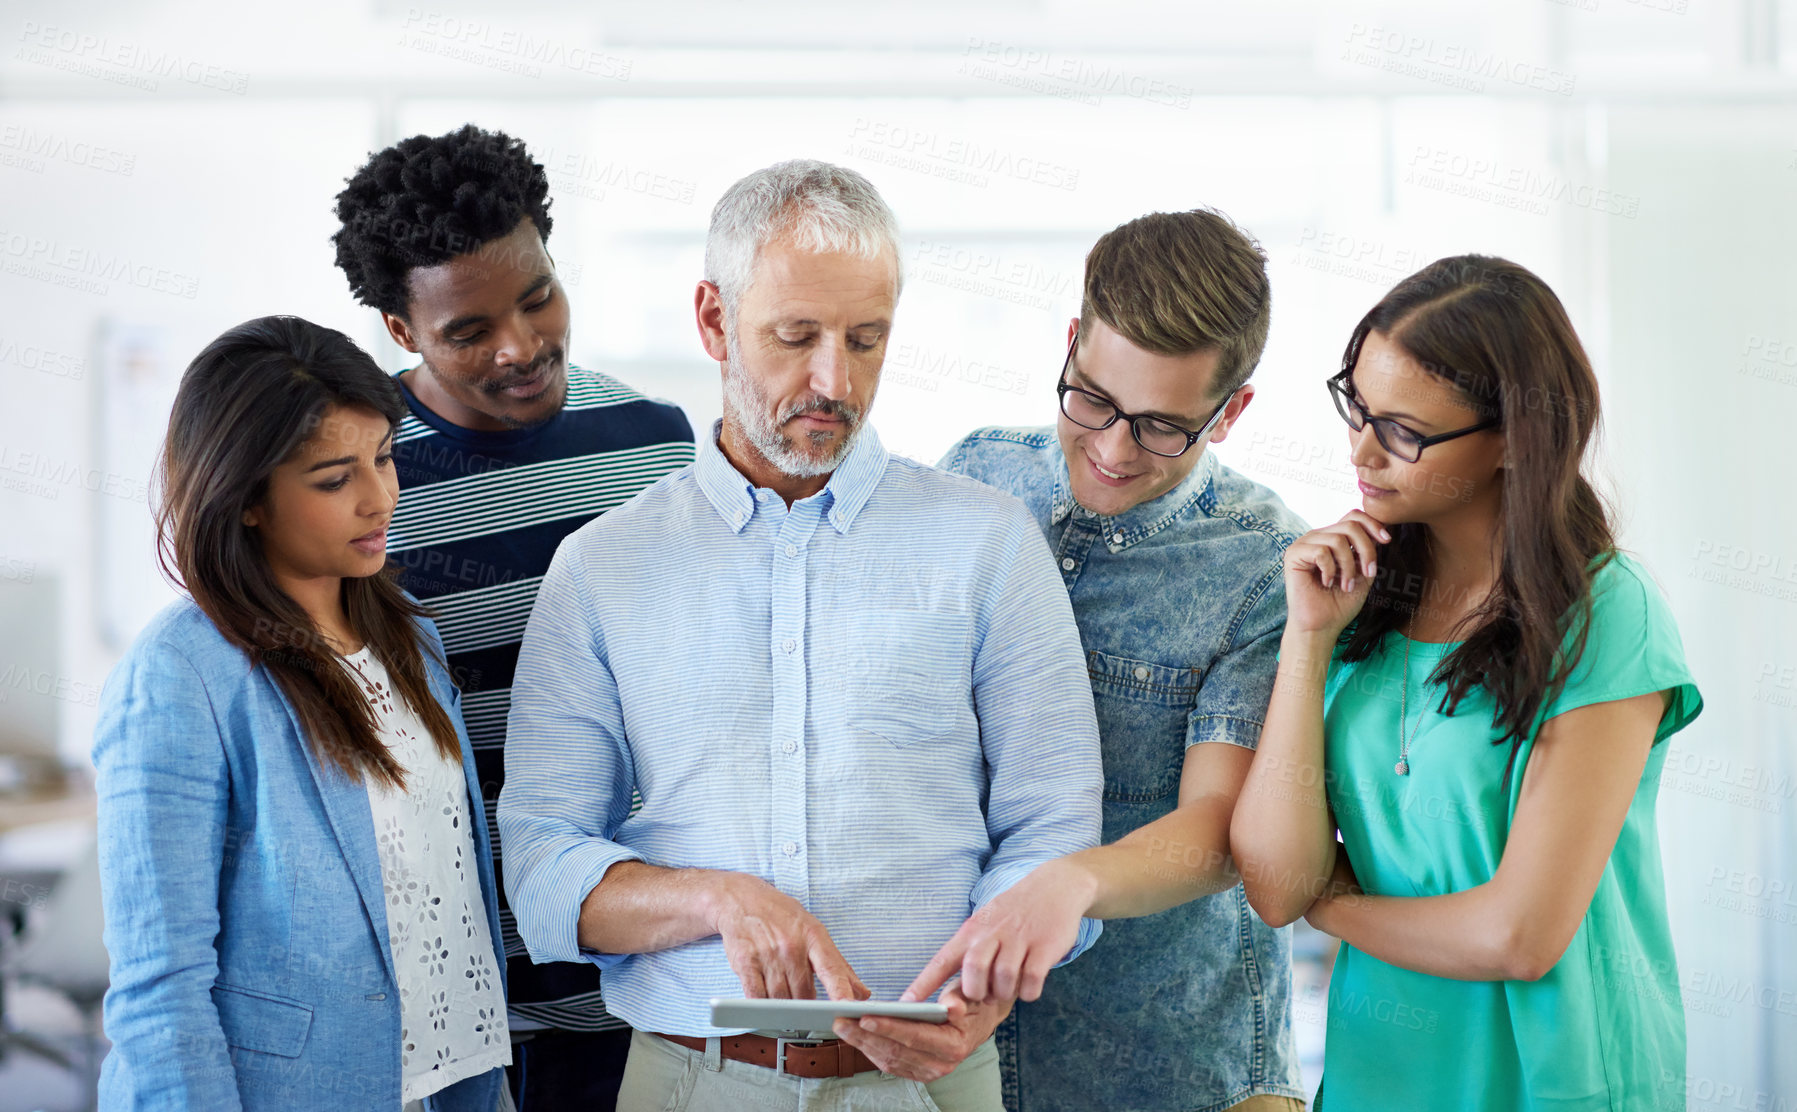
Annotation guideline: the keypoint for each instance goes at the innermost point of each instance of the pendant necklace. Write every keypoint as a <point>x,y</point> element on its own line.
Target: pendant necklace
<point>1403,765</point>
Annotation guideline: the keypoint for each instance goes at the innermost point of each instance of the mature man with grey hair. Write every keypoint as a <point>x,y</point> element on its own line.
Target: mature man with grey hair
<point>847,688</point>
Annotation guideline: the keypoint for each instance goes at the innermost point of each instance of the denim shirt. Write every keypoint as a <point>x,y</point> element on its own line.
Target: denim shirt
<point>1180,604</point>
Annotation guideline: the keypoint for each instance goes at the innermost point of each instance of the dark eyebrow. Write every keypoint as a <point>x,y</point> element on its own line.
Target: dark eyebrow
<point>1186,423</point>
<point>1399,415</point>
<point>1391,414</point>
<point>345,460</point>
<point>460,323</point>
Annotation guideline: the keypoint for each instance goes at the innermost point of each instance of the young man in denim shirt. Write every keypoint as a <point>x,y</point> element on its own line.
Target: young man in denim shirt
<point>1172,562</point>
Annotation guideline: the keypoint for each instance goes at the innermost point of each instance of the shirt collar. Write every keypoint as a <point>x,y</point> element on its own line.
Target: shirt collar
<point>1138,522</point>
<point>846,492</point>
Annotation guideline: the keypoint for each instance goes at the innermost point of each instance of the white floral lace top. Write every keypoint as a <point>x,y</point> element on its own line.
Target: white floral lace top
<point>451,1005</point>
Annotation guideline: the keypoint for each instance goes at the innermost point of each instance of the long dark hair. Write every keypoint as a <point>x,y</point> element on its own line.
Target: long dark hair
<point>1496,333</point>
<point>245,404</point>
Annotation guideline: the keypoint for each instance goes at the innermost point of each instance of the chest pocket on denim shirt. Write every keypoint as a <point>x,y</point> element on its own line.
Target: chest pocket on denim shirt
<point>1142,710</point>
<point>906,676</point>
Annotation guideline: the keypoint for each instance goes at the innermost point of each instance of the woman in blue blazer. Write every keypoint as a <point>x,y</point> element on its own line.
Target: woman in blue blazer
<point>299,895</point>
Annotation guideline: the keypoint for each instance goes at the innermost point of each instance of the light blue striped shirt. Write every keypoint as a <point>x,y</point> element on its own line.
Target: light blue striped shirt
<point>875,701</point>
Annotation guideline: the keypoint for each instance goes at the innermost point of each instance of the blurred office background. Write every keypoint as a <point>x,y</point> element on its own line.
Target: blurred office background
<point>168,170</point>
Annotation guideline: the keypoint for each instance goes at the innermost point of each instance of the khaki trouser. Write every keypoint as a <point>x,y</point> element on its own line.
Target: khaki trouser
<point>1265,1103</point>
<point>663,1077</point>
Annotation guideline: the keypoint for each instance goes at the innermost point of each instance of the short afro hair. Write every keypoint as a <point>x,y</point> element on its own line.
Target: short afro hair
<point>425,200</point>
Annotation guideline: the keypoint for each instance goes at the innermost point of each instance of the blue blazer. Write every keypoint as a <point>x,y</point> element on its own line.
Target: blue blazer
<point>245,917</point>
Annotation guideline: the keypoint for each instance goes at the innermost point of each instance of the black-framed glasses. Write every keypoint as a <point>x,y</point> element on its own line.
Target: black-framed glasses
<point>1095,412</point>
<point>1400,440</point>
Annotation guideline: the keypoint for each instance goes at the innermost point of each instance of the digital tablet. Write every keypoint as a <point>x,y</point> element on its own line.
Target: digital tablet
<point>813,1015</point>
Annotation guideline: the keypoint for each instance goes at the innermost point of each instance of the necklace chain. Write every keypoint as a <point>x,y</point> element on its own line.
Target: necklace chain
<point>1403,765</point>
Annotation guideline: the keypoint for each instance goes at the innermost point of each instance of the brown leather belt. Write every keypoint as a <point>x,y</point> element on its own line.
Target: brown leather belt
<point>809,1058</point>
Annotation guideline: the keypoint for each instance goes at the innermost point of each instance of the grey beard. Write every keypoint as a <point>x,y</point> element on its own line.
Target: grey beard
<point>747,408</point>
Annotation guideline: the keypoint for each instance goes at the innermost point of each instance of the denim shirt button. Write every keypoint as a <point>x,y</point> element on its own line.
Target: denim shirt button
<point>1116,538</point>
<point>1141,673</point>
<point>1067,563</point>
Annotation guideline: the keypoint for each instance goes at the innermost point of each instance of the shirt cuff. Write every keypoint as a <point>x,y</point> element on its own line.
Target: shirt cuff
<point>1089,930</point>
<point>549,915</point>
<point>993,883</point>
<point>1244,732</point>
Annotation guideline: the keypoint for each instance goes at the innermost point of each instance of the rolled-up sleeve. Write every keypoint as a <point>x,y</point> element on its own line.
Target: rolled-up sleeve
<point>163,787</point>
<point>1037,725</point>
<point>1232,702</point>
<point>568,771</point>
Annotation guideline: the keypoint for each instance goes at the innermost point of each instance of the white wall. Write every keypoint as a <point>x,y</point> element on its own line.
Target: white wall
<point>1701,406</point>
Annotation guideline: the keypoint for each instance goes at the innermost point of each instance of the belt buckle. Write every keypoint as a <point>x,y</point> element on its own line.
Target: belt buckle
<point>780,1045</point>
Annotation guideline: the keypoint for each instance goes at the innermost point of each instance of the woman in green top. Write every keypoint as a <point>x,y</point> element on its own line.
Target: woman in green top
<point>1473,687</point>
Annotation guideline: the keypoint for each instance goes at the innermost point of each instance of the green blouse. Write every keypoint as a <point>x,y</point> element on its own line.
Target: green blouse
<point>1604,1029</point>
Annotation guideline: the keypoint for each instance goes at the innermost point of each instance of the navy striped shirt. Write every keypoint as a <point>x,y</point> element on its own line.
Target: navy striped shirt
<point>480,516</point>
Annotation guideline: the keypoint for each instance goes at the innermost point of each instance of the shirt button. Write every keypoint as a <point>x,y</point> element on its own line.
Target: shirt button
<point>790,645</point>
<point>1067,563</point>
<point>789,747</point>
<point>792,550</point>
<point>790,848</point>
<point>1141,673</point>
<point>1116,538</point>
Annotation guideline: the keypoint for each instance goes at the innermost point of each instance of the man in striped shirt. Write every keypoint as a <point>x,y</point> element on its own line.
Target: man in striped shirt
<point>507,450</point>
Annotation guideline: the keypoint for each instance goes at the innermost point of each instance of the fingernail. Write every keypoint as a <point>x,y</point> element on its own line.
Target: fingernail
<point>868,1024</point>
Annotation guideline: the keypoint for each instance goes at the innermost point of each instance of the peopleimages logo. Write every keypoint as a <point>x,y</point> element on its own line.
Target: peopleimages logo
<point>70,263</point>
<point>18,679</point>
<point>1449,63</point>
<point>969,161</point>
<point>43,360</point>
<point>1055,74</point>
<point>120,61</point>
<point>505,49</point>
<point>46,477</point>
<point>1518,187</point>
<point>29,148</point>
